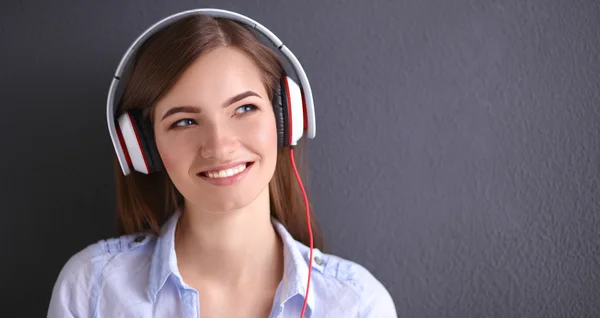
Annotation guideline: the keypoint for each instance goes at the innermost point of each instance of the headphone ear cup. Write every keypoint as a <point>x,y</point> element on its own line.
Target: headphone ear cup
<point>138,139</point>
<point>280,110</point>
<point>292,104</point>
<point>148,144</point>
<point>132,143</point>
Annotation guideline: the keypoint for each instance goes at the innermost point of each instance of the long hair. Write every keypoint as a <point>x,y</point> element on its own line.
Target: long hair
<point>145,202</point>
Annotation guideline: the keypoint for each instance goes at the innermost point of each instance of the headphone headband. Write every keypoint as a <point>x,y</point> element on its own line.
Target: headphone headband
<point>217,13</point>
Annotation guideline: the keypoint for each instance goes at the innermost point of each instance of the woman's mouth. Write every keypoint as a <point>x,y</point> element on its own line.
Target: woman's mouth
<point>226,173</point>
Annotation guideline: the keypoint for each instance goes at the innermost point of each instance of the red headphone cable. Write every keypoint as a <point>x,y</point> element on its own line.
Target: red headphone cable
<point>309,228</point>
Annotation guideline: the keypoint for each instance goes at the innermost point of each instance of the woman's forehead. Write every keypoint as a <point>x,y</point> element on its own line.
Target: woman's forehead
<point>214,78</point>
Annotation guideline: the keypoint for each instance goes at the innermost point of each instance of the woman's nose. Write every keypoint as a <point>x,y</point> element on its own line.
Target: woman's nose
<point>219,142</point>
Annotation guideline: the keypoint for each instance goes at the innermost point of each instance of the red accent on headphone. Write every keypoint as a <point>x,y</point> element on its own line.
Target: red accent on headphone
<point>304,112</point>
<point>123,146</point>
<point>137,137</point>
<point>310,234</point>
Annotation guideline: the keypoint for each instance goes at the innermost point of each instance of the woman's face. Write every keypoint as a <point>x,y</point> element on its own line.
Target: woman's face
<point>215,132</point>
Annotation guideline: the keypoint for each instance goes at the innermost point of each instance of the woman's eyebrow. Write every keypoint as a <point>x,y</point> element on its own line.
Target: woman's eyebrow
<point>239,97</point>
<point>180,109</point>
<point>195,110</point>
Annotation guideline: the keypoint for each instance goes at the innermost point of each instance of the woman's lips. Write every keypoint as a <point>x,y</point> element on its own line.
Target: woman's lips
<point>228,176</point>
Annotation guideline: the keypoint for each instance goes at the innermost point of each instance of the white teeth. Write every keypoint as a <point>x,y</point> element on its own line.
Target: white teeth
<point>227,172</point>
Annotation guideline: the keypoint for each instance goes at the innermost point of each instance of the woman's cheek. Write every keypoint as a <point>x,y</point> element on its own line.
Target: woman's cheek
<point>262,132</point>
<point>172,155</point>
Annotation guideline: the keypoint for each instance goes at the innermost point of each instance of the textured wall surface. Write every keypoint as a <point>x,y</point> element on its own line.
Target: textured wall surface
<point>457,149</point>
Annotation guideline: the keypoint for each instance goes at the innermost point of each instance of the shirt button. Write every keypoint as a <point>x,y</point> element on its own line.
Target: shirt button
<point>318,260</point>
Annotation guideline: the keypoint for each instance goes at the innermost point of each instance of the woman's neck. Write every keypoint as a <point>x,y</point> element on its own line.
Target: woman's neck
<point>234,249</point>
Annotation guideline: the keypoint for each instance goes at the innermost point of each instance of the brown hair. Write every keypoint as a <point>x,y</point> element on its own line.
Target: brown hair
<point>145,202</point>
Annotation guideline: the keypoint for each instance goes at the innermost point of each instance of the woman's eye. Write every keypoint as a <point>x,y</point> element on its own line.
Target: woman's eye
<point>245,109</point>
<point>183,123</point>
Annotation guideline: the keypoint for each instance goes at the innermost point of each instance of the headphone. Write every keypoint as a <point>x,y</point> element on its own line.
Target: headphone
<point>133,137</point>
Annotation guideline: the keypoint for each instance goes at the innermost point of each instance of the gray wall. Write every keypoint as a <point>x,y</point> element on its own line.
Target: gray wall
<point>456,153</point>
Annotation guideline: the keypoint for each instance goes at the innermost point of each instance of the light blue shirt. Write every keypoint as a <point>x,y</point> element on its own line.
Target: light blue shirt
<point>137,276</point>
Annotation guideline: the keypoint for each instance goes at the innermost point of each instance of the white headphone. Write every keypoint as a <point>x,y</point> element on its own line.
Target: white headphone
<point>133,138</point>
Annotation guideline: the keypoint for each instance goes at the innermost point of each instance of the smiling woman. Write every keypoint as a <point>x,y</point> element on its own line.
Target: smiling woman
<point>212,219</point>
<point>219,134</point>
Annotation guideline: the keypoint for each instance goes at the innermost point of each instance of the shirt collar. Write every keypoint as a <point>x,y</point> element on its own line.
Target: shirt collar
<point>295,272</point>
<point>295,259</point>
<point>164,260</point>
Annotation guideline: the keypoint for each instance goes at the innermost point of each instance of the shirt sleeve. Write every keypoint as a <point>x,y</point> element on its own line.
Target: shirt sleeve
<point>376,301</point>
<point>73,294</point>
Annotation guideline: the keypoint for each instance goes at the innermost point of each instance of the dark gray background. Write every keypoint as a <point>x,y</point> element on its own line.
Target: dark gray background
<point>456,154</point>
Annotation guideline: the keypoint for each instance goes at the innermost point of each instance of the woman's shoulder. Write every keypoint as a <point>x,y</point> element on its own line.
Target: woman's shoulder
<point>374,298</point>
<point>108,250</point>
<point>75,286</point>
